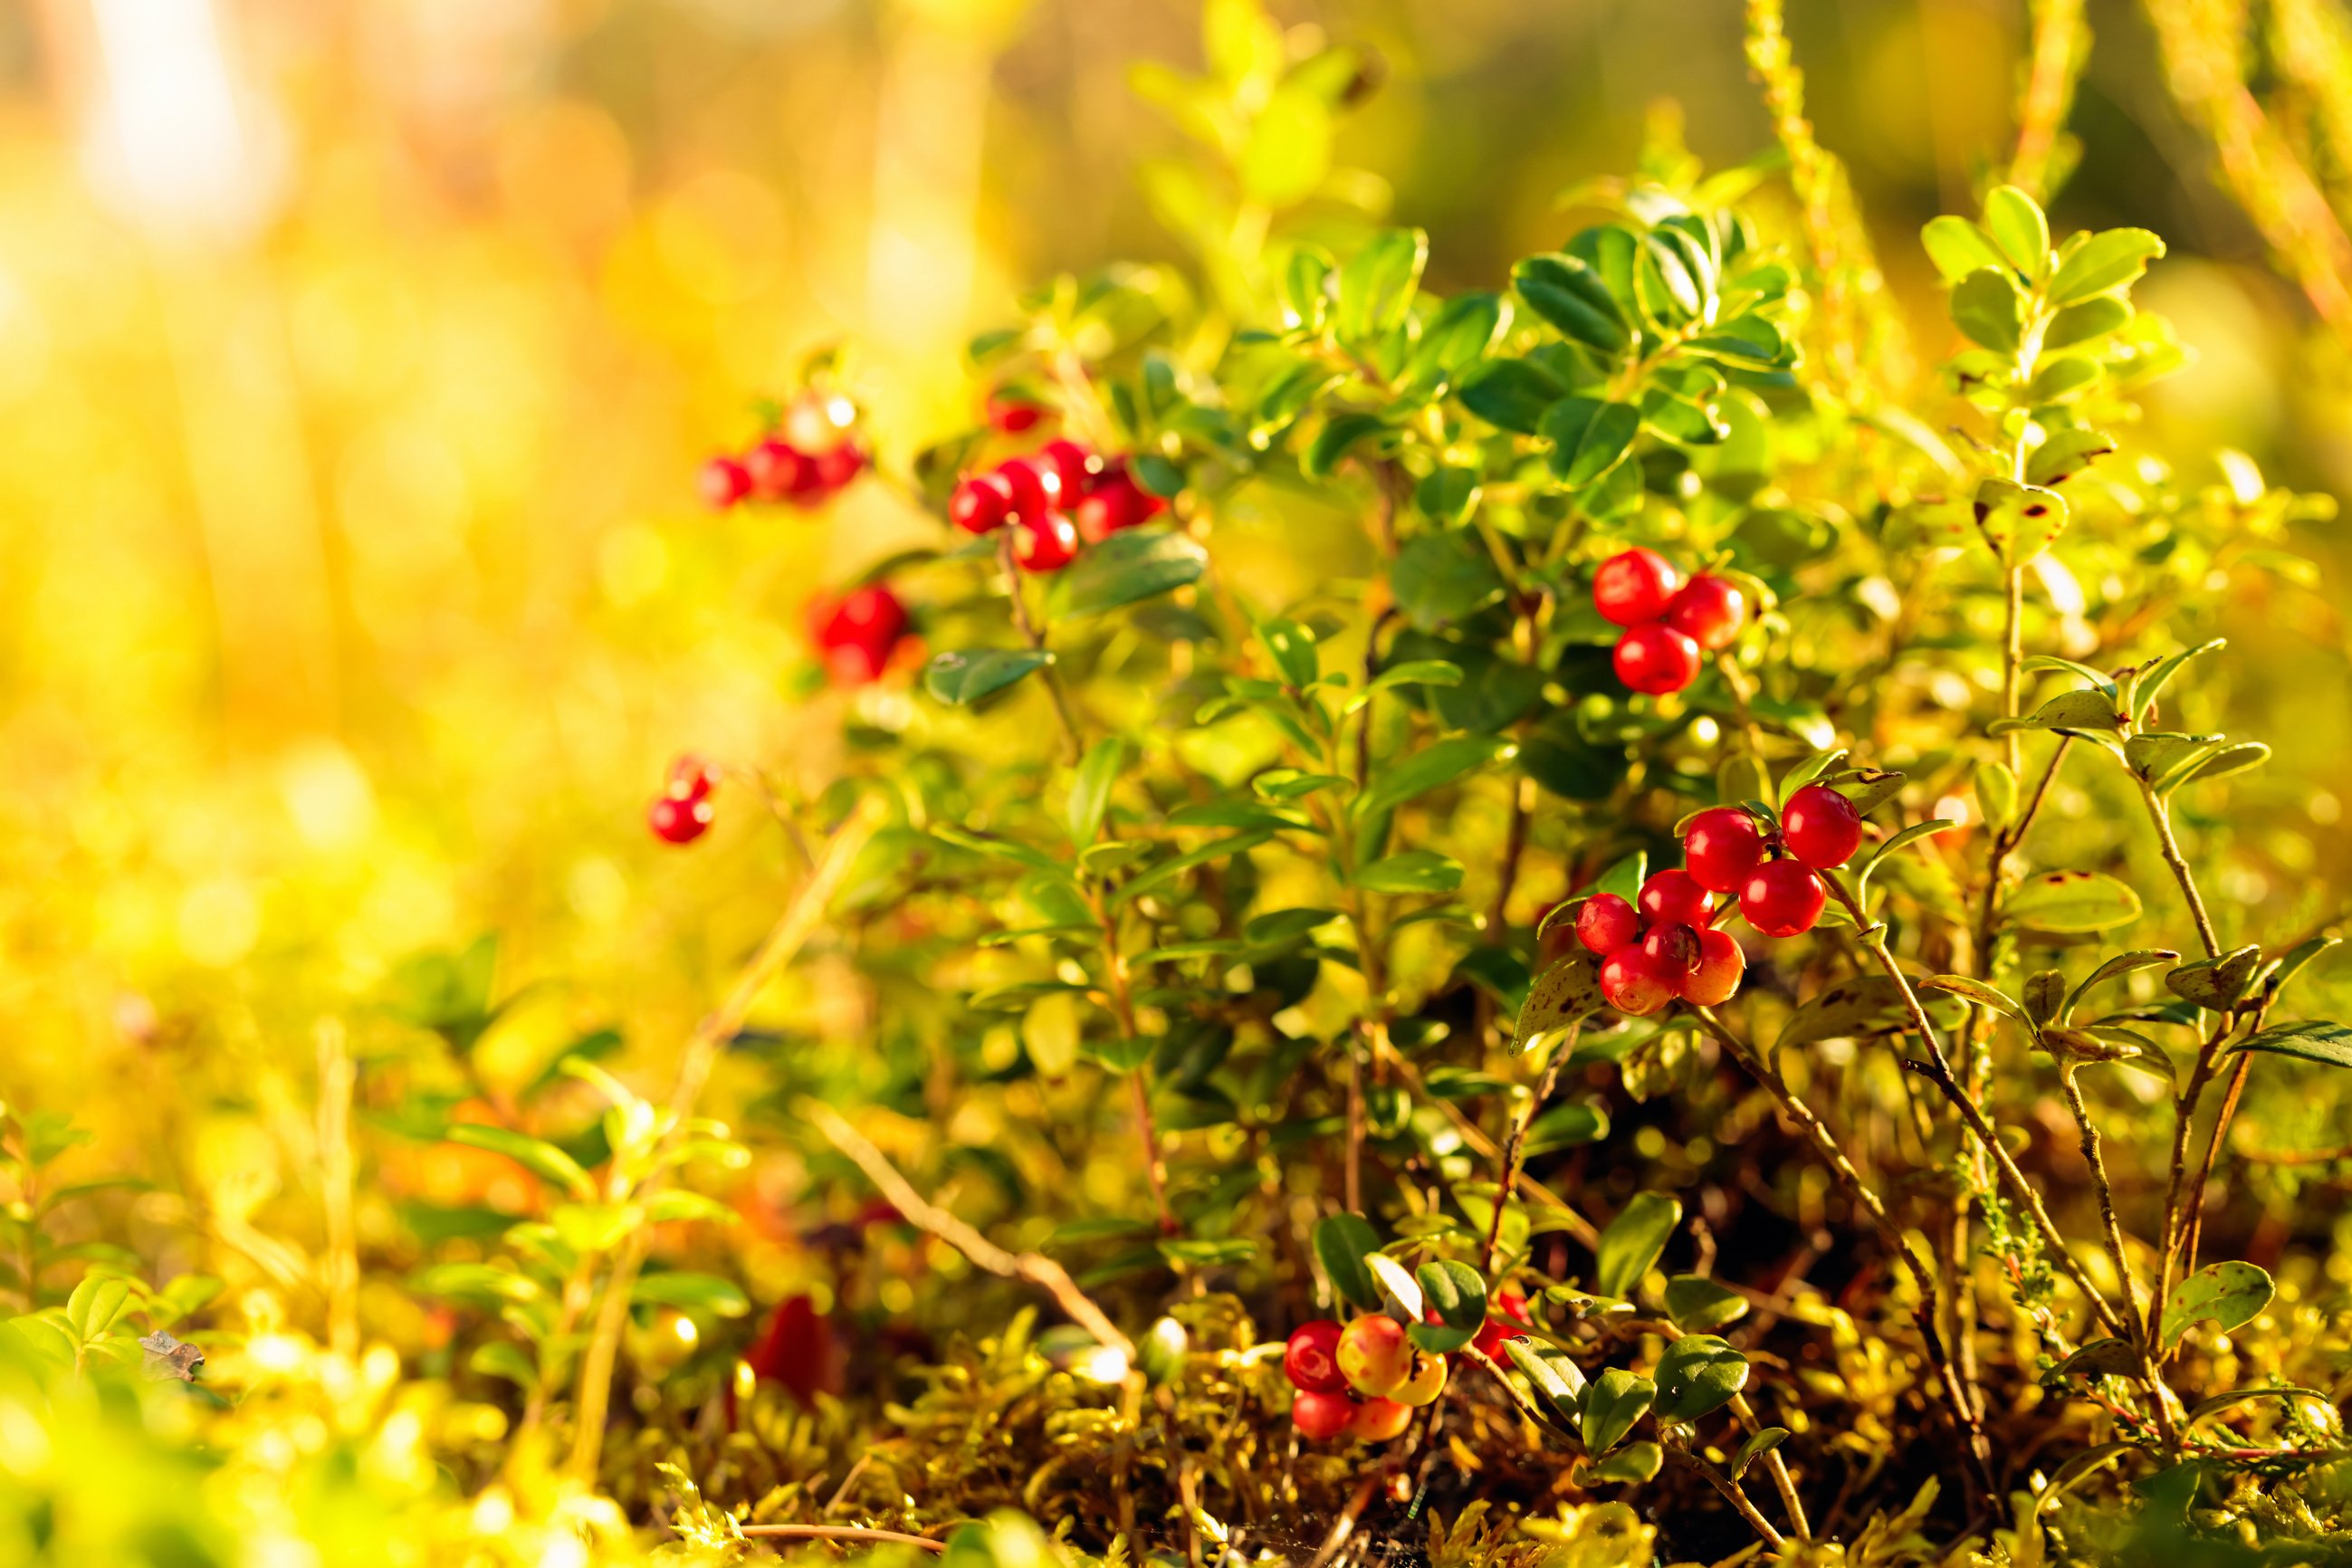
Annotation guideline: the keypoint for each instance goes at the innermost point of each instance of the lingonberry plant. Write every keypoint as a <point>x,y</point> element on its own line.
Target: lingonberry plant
<point>1343,874</point>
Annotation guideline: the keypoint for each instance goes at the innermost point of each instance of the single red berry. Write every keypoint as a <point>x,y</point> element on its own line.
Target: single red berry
<point>1320,1417</point>
<point>1116,502</point>
<point>1374,1355</point>
<point>779,470</point>
<point>839,464</point>
<point>1634,982</point>
<point>676,821</point>
<point>1633,586</point>
<point>1380,1420</point>
<point>980,504</point>
<point>1046,542</point>
<point>1606,923</point>
<point>1821,827</point>
<point>1674,897</point>
<point>1707,610</point>
<point>857,632</point>
<point>1012,414</point>
<point>1654,658</point>
<point>690,778</point>
<point>1720,966</point>
<point>1311,1358</point>
<point>797,1351</point>
<point>723,482</point>
<point>1674,949</point>
<point>1074,465</point>
<point>1506,1319</point>
<point>1782,898</point>
<point>1721,846</point>
<point>1036,487</point>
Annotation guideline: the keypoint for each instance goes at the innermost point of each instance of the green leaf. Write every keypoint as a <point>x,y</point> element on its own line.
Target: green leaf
<point>2217,985</point>
<point>2121,964</point>
<point>1977,991</point>
<point>2296,960</point>
<point>2072,901</point>
<point>505,1359</point>
<point>1869,788</point>
<point>2312,1040</point>
<point>1616,1400</point>
<point>1697,1375</point>
<point>1134,563</point>
<point>1805,771</point>
<point>544,1160</point>
<point>1987,308</point>
<point>1697,1304</point>
<point>1448,494</point>
<point>2220,764</point>
<point>2015,222</point>
<point>1413,871</point>
<point>1400,1288</point>
<point>2152,681</point>
<point>2108,1357</point>
<point>1557,1382</point>
<point>1633,1240</point>
<point>1176,865</point>
<point>2094,711</point>
<point>2065,454</point>
<point>691,1293</point>
<point>1442,577</point>
<point>1433,767</point>
<point>2019,521</point>
<point>1411,672</point>
<point>95,1303</point>
<point>1510,394</point>
<point>1634,1463</point>
<point>1458,336</point>
<point>1342,1241</point>
<point>1293,647</point>
<point>1589,438</point>
<point>1996,789</point>
<point>1855,1007</point>
<point>1959,248</point>
<point>1562,993</point>
<point>1241,814</point>
<point>2110,259</point>
<point>1377,284</point>
<point>1306,288</point>
<point>2044,994</point>
<point>1340,434</point>
<point>1756,1447</point>
<point>1090,788</point>
<point>967,678</point>
<point>2230,1294</point>
<point>1569,294</point>
<point>1458,1296</point>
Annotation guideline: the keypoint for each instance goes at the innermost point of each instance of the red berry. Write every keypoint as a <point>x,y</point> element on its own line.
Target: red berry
<point>1782,898</point>
<point>1674,897</point>
<point>1374,1355</point>
<point>980,504</point>
<point>1606,923</point>
<point>1654,658</point>
<point>1720,966</point>
<point>1708,610</point>
<point>690,778</point>
<point>1722,846</point>
<point>1046,542</point>
<point>1311,1358</point>
<point>1116,501</point>
<point>1320,1417</point>
<point>723,482</point>
<point>1380,1420</point>
<point>1674,949</point>
<point>1634,982</point>
<point>1633,586</point>
<point>857,632</point>
<point>1074,464</point>
<point>1506,1319</point>
<point>1036,487</point>
<point>839,464</point>
<point>1012,414</point>
<point>1821,827</point>
<point>779,470</point>
<point>676,821</point>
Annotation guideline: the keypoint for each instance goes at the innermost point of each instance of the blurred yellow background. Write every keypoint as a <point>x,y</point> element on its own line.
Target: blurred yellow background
<point>355,360</point>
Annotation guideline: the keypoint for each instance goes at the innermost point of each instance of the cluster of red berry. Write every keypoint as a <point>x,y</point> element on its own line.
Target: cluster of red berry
<point>682,813</point>
<point>855,633</point>
<point>1668,948</point>
<point>1056,500</point>
<point>1668,621</point>
<point>1364,1380</point>
<point>803,464</point>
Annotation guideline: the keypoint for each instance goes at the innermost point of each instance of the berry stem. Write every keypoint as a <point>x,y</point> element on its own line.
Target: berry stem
<point>1517,1145</point>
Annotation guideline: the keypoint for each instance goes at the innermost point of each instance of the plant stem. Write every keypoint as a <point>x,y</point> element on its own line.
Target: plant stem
<point>1730,1490</point>
<point>2159,814</point>
<point>1776,1469</point>
<point>1518,1140</point>
<point>841,1532</point>
<point>1034,636</point>
<point>1146,1128</point>
<point>2158,1396</point>
<point>1939,1072</point>
<point>2012,656</point>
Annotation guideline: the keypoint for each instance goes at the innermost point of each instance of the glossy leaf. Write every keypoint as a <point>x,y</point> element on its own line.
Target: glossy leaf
<point>1697,1375</point>
<point>1616,1399</point>
<point>2072,901</point>
<point>1134,565</point>
<point>1633,1242</point>
<point>1342,1241</point>
<point>2229,1295</point>
<point>2312,1040</point>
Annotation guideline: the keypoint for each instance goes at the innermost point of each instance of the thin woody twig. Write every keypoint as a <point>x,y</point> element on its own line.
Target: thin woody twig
<point>1034,1267</point>
<point>841,1532</point>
